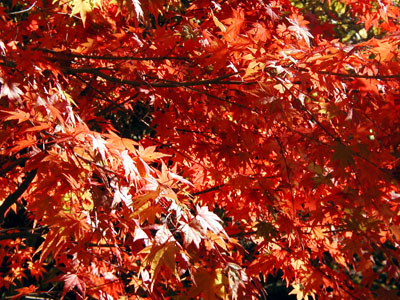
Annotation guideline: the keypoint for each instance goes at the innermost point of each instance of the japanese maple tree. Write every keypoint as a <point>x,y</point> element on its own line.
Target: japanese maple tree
<point>157,149</point>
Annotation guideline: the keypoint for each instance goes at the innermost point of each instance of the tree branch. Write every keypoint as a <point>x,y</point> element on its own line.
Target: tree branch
<point>12,198</point>
<point>110,57</point>
<point>24,10</point>
<point>348,75</point>
<point>287,172</point>
<point>382,77</point>
<point>22,233</point>
<point>169,84</point>
<point>214,188</point>
<point>222,99</point>
<point>16,163</point>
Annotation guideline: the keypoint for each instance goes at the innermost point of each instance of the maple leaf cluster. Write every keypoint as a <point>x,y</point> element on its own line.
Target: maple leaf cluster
<point>190,149</point>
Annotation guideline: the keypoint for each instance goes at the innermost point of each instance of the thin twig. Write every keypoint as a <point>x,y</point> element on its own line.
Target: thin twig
<point>24,10</point>
<point>287,172</point>
<point>222,99</point>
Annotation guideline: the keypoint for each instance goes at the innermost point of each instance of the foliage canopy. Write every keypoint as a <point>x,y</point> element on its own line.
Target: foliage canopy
<point>190,149</point>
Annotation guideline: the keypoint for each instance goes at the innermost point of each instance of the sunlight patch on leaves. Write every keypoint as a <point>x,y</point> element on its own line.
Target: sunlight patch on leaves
<point>301,32</point>
<point>209,220</point>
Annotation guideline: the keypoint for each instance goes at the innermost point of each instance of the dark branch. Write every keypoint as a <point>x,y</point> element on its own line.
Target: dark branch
<point>287,172</point>
<point>214,188</point>
<point>222,99</point>
<point>16,163</point>
<point>348,75</point>
<point>24,10</point>
<point>22,233</point>
<point>168,84</point>
<point>377,76</point>
<point>109,57</point>
<point>12,198</point>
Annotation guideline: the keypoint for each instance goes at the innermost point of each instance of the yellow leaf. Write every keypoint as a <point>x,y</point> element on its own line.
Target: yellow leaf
<point>218,23</point>
<point>217,239</point>
<point>81,7</point>
<point>340,259</point>
<point>141,200</point>
<point>298,290</point>
<point>159,256</point>
<point>209,284</point>
<point>219,286</point>
<point>318,233</point>
<point>396,231</point>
